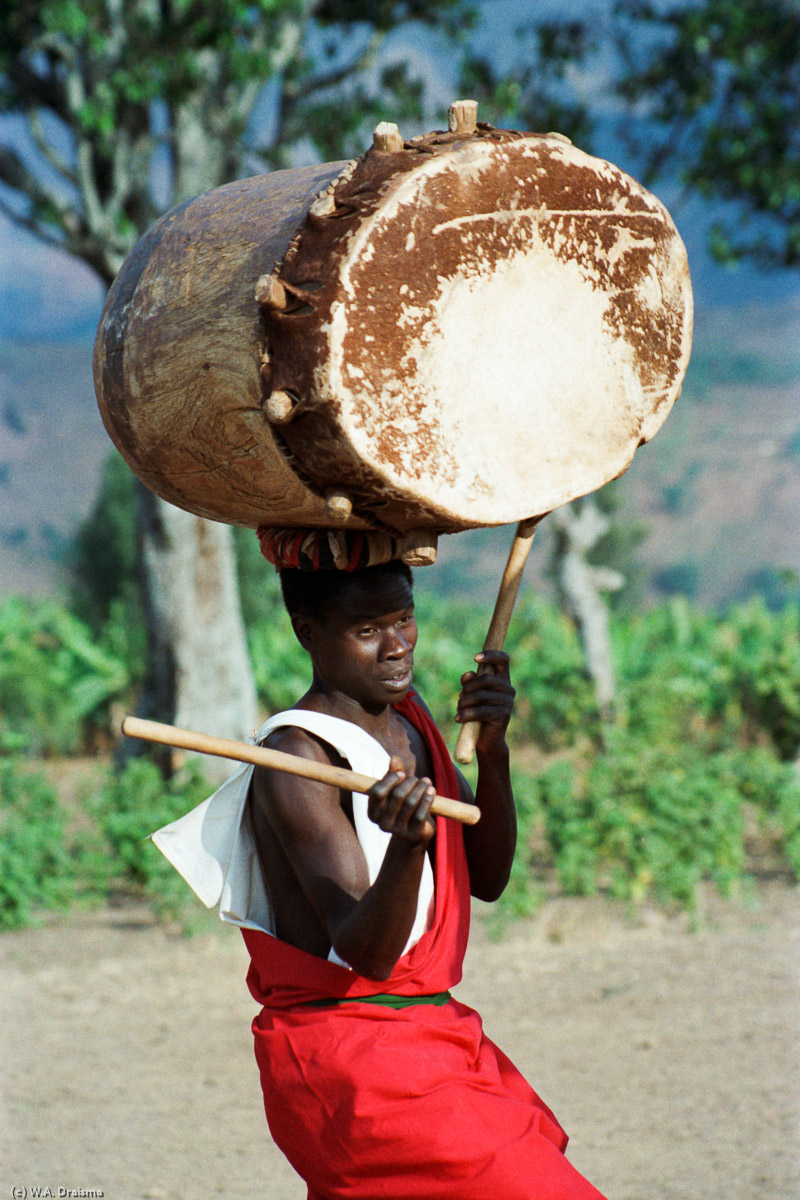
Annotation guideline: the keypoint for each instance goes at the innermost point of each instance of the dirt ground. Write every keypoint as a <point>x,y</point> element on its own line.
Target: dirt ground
<point>670,1056</point>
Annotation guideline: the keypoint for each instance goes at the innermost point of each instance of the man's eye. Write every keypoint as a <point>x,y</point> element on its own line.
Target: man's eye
<point>367,631</point>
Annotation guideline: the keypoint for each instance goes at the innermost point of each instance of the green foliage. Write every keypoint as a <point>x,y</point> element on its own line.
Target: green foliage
<point>555,699</point>
<point>134,89</point>
<point>36,871</point>
<point>131,806</point>
<point>720,79</point>
<point>647,819</point>
<point>644,819</point>
<point>763,658</point>
<point>55,679</point>
<point>259,586</point>
<point>708,707</point>
<point>523,892</point>
<point>281,668</point>
<point>47,865</point>
<point>710,92</point>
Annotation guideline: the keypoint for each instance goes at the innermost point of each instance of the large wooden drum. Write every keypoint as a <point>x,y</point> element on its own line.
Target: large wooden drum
<point>459,330</point>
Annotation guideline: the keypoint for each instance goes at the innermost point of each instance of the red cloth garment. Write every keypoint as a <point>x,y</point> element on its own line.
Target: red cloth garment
<point>409,1104</point>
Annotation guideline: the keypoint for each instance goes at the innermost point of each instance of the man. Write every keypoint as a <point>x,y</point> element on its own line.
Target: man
<point>376,1081</point>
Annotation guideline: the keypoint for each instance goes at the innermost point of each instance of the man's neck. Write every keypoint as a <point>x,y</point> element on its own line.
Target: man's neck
<point>379,723</point>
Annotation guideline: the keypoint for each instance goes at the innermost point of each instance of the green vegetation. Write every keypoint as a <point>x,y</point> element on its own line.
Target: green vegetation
<point>51,861</point>
<point>700,753</point>
<point>130,806</point>
<point>56,679</point>
<point>36,871</point>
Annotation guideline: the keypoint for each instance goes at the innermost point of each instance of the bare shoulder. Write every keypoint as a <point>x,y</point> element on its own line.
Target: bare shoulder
<point>291,800</point>
<point>291,739</point>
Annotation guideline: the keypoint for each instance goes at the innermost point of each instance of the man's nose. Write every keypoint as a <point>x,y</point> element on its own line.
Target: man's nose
<point>395,643</point>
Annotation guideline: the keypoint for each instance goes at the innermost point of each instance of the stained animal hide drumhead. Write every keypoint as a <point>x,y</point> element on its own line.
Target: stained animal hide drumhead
<point>478,330</point>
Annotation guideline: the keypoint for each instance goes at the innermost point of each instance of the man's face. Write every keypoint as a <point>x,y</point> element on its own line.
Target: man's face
<point>363,648</point>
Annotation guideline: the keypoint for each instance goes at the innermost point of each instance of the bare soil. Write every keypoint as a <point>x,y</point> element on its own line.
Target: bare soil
<point>671,1056</point>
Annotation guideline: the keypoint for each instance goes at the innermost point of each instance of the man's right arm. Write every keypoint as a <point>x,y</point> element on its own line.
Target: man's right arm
<point>368,926</point>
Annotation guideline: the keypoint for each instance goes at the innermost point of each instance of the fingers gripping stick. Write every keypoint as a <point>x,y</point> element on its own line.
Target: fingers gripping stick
<point>501,619</point>
<point>292,764</point>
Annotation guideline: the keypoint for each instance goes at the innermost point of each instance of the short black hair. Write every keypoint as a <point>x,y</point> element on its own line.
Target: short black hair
<point>314,593</point>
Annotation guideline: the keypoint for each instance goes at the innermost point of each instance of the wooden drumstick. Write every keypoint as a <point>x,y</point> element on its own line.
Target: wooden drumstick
<point>187,739</point>
<point>501,619</point>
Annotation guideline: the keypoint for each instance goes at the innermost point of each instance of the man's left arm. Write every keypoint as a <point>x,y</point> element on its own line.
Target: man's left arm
<point>488,697</point>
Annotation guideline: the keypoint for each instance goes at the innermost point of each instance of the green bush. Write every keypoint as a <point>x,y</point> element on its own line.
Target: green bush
<point>642,820</point>
<point>131,806</point>
<point>732,678</point>
<point>523,892</point>
<point>708,721</point>
<point>36,870</point>
<point>763,658</point>
<point>55,678</point>
<point>555,699</point>
<point>772,788</point>
<point>281,667</point>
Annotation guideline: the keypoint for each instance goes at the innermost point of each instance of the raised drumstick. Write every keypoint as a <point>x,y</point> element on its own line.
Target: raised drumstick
<point>187,739</point>
<point>501,619</point>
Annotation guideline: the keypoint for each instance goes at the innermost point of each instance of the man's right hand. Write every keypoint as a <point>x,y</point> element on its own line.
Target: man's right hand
<point>400,804</point>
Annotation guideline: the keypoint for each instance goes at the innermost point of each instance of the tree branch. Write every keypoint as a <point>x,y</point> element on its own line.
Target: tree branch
<point>291,95</point>
<point>323,80</point>
<point>46,149</point>
<point>16,175</point>
<point>41,231</point>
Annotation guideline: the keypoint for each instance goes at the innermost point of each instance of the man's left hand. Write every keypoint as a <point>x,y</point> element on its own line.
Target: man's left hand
<point>487,696</point>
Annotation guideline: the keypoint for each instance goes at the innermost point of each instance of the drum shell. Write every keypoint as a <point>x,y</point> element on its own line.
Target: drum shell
<point>185,356</point>
<point>178,353</point>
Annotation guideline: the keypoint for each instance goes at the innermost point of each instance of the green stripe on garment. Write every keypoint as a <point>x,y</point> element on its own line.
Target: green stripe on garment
<point>384,999</point>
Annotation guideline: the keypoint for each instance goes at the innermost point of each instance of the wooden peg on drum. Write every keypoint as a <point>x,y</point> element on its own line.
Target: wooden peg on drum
<point>271,293</point>
<point>462,117</point>
<point>387,138</point>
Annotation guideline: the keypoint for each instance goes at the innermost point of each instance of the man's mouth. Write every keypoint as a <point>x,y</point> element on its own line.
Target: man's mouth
<point>399,680</point>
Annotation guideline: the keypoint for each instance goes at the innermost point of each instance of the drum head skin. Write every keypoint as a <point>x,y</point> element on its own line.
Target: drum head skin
<point>479,330</point>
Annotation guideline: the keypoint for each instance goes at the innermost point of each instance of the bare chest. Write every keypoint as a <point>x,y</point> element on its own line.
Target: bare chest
<point>406,742</point>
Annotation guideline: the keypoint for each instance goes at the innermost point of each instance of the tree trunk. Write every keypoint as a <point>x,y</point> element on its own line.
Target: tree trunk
<point>580,585</point>
<point>199,672</point>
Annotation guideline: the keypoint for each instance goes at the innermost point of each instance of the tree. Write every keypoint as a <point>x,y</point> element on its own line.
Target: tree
<point>720,81</point>
<point>130,107</point>
<point>710,95</point>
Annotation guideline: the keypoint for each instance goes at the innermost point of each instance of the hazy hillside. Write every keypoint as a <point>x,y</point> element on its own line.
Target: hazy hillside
<point>719,487</point>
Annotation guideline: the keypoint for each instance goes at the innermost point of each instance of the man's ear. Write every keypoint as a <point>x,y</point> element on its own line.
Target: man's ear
<point>303,628</point>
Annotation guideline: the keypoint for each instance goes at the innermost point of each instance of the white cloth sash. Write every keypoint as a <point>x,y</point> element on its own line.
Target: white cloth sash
<point>213,847</point>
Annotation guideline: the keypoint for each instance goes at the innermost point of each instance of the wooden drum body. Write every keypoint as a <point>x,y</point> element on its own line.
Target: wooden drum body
<point>469,330</point>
